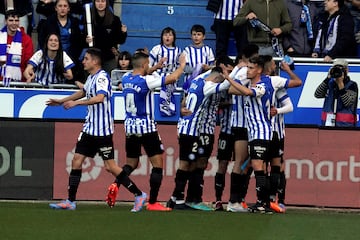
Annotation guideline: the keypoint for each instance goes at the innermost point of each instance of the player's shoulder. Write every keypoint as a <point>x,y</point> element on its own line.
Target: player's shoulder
<point>102,77</point>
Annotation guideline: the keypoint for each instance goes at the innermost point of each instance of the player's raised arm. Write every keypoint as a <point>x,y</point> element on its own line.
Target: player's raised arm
<point>177,73</point>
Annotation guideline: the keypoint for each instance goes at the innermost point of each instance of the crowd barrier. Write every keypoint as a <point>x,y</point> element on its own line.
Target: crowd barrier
<point>27,100</point>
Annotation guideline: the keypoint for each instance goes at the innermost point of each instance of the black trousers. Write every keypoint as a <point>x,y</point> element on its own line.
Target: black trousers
<point>223,30</point>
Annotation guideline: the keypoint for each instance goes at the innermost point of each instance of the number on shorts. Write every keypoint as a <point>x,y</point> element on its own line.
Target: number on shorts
<point>222,144</point>
<point>205,140</point>
<point>195,147</point>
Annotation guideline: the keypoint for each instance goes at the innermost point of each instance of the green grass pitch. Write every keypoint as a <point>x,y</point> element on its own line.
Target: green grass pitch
<point>34,221</point>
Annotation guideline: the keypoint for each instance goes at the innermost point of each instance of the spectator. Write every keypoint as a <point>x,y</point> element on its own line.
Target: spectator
<point>223,27</point>
<point>164,58</point>
<point>44,8</point>
<point>341,97</point>
<point>124,61</point>
<point>16,48</point>
<point>24,8</point>
<point>50,65</point>
<point>300,41</point>
<point>166,53</point>
<point>123,65</point>
<point>67,27</point>
<point>272,15</point>
<point>354,7</point>
<point>108,32</point>
<point>336,31</point>
<point>199,57</point>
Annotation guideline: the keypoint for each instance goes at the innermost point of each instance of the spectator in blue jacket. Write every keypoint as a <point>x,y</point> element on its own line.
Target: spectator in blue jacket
<point>335,37</point>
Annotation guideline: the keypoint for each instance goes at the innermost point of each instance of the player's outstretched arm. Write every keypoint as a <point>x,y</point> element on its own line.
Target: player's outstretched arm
<point>75,96</point>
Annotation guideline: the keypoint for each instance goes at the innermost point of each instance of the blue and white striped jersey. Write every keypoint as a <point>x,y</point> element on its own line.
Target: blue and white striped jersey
<point>229,9</point>
<point>139,102</point>
<point>278,123</point>
<point>99,120</point>
<point>225,112</point>
<point>171,53</point>
<point>257,110</point>
<point>209,114</point>
<point>195,56</point>
<point>237,115</point>
<point>196,101</point>
<point>257,107</point>
<point>45,72</point>
<point>277,83</point>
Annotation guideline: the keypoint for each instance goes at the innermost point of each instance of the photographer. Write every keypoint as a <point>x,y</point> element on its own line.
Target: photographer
<point>341,97</point>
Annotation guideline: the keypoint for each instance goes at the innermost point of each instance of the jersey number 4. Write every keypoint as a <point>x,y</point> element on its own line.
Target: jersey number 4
<point>130,104</point>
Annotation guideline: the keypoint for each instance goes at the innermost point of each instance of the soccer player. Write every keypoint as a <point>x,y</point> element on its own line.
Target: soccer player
<point>199,93</point>
<point>258,118</point>
<point>140,127</point>
<point>225,147</point>
<point>281,104</point>
<point>96,135</point>
<point>208,121</point>
<point>240,175</point>
<point>225,138</point>
<point>257,112</point>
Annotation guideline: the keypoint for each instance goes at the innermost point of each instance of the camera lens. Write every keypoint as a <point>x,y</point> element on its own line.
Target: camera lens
<point>336,72</point>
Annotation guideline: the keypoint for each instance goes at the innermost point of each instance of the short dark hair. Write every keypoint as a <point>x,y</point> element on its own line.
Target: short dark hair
<point>267,62</point>
<point>168,30</point>
<point>224,59</point>
<point>138,58</point>
<point>95,53</point>
<point>197,28</point>
<point>266,58</point>
<point>11,13</point>
<point>126,55</point>
<point>258,61</point>
<point>216,69</point>
<point>340,3</point>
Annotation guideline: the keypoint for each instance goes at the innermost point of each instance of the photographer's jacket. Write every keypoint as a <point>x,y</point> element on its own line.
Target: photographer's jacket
<point>346,101</point>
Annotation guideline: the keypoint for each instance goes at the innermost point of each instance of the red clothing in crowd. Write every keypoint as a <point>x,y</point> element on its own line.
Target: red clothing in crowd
<point>26,52</point>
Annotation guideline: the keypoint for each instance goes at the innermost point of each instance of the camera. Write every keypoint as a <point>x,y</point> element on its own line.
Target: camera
<point>337,71</point>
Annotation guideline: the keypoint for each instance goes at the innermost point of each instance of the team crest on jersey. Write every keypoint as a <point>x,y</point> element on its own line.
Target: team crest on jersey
<point>260,89</point>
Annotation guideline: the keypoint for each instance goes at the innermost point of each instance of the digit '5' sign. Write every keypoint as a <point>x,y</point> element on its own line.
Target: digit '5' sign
<point>170,10</point>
